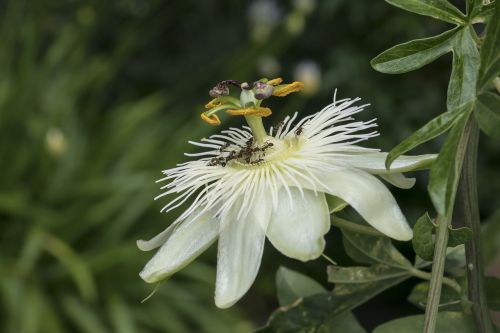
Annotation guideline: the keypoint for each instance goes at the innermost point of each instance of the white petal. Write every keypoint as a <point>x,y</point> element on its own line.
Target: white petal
<point>297,228</point>
<point>157,240</point>
<point>375,162</point>
<point>399,180</point>
<point>371,199</point>
<point>241,244</point>
<point>187,241</point>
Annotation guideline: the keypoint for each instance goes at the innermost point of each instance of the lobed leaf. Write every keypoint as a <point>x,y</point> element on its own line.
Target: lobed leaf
<point>445,172</point>
<point>463,79</point>
<point>438,9</point>
<point>414,54</point>
<point>429,131</point>
<point>490,50</point>
<point>488,113</point>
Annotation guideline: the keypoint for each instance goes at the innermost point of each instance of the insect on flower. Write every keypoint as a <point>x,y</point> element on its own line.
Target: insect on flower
<point>249,184</point>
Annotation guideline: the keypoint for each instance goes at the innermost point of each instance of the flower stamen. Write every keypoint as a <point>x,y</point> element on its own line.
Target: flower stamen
<point>285,89</point>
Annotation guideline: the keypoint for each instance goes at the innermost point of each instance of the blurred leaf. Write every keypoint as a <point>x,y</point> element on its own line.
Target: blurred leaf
<point>490,239</point>
<point>83,316</point>
<point>455,322</point>
<point>488,113</point>
<point>423,237</point>
<point>445,172</point>
<point>438,9</point>
<point>76,267</point>
<point>122,317</point>
<point>412,55</point>
<point>492,292</point>
<point>429,131</point>
<point>450,300</point>
<point>463,79</point>
<point>292,285</point>
<point>490,50</point>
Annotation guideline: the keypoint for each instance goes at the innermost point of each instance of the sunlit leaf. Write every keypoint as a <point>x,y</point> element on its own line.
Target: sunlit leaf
<point>445,172</point>
<point>455,322</point>
<point>292,285</point>
<point>439,9</point>
<point>361,274</point>
<point>463,79</point>
<point>488,113</point>
<point>412,55</point>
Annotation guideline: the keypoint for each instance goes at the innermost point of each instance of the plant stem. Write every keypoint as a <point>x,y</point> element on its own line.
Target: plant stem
<point>468,211</point>
<point>427,276</point>
<point>431,310</point>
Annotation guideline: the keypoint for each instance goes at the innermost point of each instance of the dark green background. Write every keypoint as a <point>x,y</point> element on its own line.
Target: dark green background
<point>97,97</point>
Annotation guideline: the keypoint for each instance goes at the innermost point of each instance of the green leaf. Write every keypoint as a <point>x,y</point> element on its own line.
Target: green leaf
<point>429,131</point>
<point>455,322</point>
<point>412,55</point>
<point>292,285</point>
<point>480,12</point>
<point>373,250</point>
<point>450,300</point>
<point>445,172</point>
<point>438,9</point>
<point>423,240</point>
<point>462,85</point>
<point>490,50</point>
<point>320,313</point>
<point>488,113</point>
<point>459,236</point>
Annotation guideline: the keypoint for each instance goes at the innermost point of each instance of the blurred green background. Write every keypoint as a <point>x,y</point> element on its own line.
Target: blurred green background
<point>97,97</point>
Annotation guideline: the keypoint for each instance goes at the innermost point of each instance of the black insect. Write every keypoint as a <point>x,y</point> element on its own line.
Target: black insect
<point>299,130</point>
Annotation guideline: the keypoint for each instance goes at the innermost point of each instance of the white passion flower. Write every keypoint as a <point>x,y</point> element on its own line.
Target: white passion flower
<point>250,184</point>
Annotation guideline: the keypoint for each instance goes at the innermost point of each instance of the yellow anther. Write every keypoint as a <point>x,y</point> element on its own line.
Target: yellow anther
<point>260,111</point>
<point>275,82</point>
<point>211,119</point>
<point>286,89</point>
<point>213,103</point>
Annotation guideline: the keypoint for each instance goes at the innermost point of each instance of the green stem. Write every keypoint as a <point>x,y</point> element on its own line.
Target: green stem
<point>258,130</point>
<point>431,310</point>
<point>468,211</point>
<point>447,281</point>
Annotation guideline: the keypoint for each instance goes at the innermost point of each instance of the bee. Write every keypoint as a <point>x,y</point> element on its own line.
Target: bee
<point>267,145</point>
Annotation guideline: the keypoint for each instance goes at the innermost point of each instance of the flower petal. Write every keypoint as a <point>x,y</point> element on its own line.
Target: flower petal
<point>375,162</point>
<point>241,244</point>
<point>370,198</point>
<point>297,227</point>
<point>399,180</point>
<point>186,242</point>
<point>157,240</point>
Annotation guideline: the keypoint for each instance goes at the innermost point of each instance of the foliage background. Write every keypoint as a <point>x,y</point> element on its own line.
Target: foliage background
<point>96,97</point>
